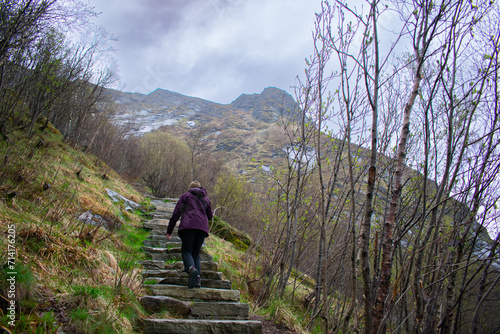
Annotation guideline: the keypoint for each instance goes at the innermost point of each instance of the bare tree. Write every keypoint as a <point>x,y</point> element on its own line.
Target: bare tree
<point>414,212</point>
<point>166,164</point>
<point>36,65</point>
<point>198,142</point>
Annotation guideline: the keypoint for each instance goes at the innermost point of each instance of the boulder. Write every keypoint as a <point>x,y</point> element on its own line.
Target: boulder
<point>116,198</point>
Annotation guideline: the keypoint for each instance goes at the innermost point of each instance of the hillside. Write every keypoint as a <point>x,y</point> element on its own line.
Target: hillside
<point>246,129</point>
<point>72,249</point>
<point>247,134</point>
<point>73,252</point>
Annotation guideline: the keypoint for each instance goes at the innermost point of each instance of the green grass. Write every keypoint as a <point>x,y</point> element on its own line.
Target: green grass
<point>79,314</point>
<point>86,291</point>
<point>132,236</point>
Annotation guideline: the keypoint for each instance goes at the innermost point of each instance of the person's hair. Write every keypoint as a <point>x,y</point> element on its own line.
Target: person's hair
<point>195,184</point>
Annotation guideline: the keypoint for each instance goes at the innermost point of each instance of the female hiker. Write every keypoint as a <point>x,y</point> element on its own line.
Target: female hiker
<point>194,209</point>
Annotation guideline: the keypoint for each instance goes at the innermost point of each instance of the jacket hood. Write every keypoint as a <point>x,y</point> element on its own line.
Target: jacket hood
<point>198,191</point>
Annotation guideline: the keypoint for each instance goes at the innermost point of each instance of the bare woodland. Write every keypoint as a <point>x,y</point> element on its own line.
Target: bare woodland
<point>389,216</point>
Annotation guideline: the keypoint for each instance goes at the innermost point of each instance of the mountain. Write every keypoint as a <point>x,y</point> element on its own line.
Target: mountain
<point>244,129</point>
<point>267,106</point>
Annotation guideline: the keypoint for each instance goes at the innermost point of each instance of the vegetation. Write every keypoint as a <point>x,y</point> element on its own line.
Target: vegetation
<point>393,235</point>
<point>162,156</point>
<point>373,221</point>
<point>239,269</point>
<point>69,273</point>
<point>227,232</point>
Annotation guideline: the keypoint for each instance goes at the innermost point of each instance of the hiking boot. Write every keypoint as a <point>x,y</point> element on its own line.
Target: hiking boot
<point>193,274</point>
<point>198,282</point>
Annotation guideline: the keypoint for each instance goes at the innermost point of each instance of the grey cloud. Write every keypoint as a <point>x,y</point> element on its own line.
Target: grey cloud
<point>213,49</point>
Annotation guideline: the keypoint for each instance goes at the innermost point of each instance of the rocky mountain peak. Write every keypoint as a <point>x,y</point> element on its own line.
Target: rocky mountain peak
<point>267,106</point>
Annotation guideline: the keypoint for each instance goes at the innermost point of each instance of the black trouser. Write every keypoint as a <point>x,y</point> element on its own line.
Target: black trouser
<point>192,240</point>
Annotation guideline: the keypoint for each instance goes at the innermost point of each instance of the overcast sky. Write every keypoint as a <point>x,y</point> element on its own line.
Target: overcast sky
<point>212,49</point>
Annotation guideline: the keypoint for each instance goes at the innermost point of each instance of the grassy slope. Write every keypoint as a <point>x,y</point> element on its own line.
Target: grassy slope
<point>68,273</point>
<point>75,276</point>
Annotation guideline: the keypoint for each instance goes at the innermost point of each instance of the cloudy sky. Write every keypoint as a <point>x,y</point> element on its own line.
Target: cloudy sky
<point>213,49</point>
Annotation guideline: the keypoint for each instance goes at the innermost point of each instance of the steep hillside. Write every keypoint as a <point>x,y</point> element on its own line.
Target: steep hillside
<point>69,249</point>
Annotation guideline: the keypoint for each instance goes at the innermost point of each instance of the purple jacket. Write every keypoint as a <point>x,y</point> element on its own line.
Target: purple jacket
<point>194,209</point>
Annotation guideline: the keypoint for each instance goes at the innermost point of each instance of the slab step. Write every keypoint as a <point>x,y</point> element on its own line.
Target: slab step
<point>157,226</point>
<point>163,237</point>
<point>164,206</point>
<point>162,243</point>
<point>152,264</point>
<point>219,310</point>
<point>162,215</point>
<point>164,273</point>
<point>155,304</point>
<point>182,292</point>
<point>188,326</point>
<point>206,283</point>
<point>149,224</point>
<point>174,256</point>
<point>152,250</point>
<point>168,254</point>
<point>205,266</point>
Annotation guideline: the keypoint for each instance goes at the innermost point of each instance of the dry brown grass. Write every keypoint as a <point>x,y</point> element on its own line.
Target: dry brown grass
<point>51,243</point>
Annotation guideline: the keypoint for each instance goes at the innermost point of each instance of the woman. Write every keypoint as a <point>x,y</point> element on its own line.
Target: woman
<point>194,209</point>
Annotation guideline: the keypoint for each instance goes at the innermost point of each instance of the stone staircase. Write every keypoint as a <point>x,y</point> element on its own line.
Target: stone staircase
<point>214,308</point>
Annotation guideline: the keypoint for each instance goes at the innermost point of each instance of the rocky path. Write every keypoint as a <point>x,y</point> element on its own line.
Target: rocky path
<point>214,308</point>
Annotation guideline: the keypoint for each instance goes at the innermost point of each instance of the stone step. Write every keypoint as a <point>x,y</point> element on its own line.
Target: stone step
<point>182,292</point>
<point>188,326</point>
<point>200,310</point>
<point>165,209</point>
<point>173,256</point>
<point>152,250</point>
<point>161,205</point>
<point>152,264</point>
<point>149,224</point>
<point>156,304</point>
<point>157,226</point>
<point>169,254</point>
<point>162,215</point>
<point>205,266</point>
<point>162,243</point>
<point>205,274</point>
<point>163,237</point>
<point>205,283</point>
<point>219,310</point>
